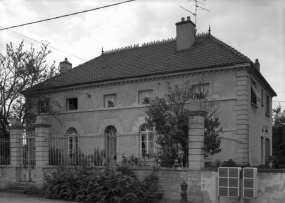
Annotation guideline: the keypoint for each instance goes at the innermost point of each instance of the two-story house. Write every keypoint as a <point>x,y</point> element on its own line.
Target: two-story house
<point>109,94</point>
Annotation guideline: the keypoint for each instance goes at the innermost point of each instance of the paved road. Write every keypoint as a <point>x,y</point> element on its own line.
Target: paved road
<point>12,197</point>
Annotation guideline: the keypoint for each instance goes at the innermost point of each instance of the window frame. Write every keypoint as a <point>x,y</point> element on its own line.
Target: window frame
<point>73,143</point>
<point>205,91</point>
<point>253,93</point>
<point>114,101</point>
<point>267,105</point>
<point>149,149</point>
<point>145,100</point>
<point>46,102</point>
<point>68,104</point>
<point>262,97</point>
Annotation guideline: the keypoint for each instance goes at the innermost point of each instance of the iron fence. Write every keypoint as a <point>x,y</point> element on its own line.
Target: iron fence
<point>4,151</point>
<point>101,150</point>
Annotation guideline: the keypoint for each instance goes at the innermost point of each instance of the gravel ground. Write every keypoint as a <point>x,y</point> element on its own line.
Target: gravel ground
<point>13,197</point>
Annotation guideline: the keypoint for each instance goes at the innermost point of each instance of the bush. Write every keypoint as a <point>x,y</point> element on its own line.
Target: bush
<point>89,185</point>
<point>229,163</point>
<point>279,162</point>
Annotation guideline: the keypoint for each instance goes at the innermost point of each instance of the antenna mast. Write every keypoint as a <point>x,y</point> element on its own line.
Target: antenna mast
<point>197,7</point>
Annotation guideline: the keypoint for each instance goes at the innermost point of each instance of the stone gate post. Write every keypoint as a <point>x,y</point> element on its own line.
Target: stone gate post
<point>16,142</point>
<point>42,136</point>
<point>196,140</point>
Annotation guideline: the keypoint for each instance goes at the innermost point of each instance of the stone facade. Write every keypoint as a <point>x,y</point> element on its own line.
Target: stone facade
<point>229,87</point>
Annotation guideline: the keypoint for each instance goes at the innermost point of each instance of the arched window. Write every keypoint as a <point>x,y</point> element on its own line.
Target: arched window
<point>147,148</point>
<point>72,141</point>
<point>110,130</point>
<point>111,144</point>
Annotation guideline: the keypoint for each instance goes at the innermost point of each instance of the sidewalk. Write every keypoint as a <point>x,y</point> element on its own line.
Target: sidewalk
<point>13,197</point>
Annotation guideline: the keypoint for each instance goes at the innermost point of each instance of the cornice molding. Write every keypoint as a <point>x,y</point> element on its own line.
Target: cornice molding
<point>233,68</point>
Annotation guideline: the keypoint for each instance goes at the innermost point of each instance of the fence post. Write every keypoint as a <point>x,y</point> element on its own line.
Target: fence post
<point>16,142</point>
<point>42,136</point>
<point>196,139</point>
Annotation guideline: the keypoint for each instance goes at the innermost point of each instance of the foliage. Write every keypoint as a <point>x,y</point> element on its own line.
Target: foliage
<point>89,185</point>
<point>4,151</point>
<point>212,140</point>
<point>278,117</point>
<point>170,114</point>
<point>130,161</point>
<point>229,163</point>
<point>20,71</point>
<point>278,137</point>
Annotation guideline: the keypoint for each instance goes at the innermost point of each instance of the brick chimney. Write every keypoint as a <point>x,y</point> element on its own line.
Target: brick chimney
<point>185,34</point>
<point>257,65</point>
<point>65,66</point>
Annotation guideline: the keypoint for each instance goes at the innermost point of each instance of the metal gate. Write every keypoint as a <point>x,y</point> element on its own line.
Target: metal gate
<point>28,157</point>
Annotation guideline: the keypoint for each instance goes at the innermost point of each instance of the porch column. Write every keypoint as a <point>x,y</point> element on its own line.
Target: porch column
<point>16,142</point>
<point>42,136</point>
<point>196,140</point>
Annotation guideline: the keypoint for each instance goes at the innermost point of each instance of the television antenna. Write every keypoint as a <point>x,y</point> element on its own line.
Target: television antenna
<point>197,7</point>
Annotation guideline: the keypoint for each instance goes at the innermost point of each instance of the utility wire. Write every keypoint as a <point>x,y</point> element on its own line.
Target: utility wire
<point>66,15</point>
<point>48,45</point>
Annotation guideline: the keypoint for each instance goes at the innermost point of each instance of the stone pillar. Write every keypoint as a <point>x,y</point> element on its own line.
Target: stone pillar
<point>16,142</point>
<point>42,136</point>
<point>196,140</point>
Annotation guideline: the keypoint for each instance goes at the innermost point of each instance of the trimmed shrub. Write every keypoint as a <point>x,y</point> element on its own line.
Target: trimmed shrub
<point>89,185</point>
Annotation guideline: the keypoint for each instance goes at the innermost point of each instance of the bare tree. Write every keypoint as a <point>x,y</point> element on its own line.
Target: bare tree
<point>22,73</point>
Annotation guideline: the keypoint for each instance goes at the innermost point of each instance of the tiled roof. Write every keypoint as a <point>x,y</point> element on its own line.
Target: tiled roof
<point>150,59</point>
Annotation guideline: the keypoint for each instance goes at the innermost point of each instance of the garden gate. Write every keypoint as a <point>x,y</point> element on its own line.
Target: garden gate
<point>28,157</point>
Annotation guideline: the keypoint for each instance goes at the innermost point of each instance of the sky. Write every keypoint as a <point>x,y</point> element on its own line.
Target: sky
<point>256,28</point>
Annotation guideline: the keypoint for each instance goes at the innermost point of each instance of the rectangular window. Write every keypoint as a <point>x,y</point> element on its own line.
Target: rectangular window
<point>201,91</point>
<point>267,108</point>
<point>145,96</point>
<point>71,104</point>
<point>253,97</point>
<point>262,98</point>
<point>253,93</point>
<point>110,100</point>
<point>43,106</point>
<point>147,145</point>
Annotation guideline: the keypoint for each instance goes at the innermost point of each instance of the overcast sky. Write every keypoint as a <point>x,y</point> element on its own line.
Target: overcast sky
<point>253,27</point>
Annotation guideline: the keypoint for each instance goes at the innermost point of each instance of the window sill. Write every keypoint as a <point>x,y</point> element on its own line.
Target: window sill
<point>252,104</point>
<point>71,110</point>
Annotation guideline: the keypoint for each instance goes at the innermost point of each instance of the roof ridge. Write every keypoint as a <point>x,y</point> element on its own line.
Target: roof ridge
<point>230,48</point>
<point>151,43</point>
<point>203,34</point>
<point>146,44</point>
